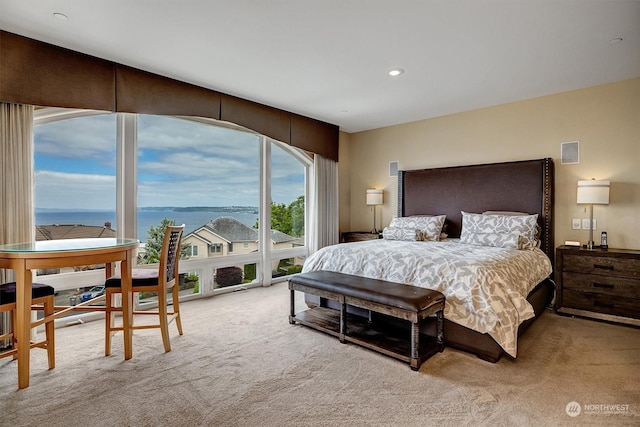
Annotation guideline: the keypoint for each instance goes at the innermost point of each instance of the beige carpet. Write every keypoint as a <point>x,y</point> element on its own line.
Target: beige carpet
<point>240,363</point>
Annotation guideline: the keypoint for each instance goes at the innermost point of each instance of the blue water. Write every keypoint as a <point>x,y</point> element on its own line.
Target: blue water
<point>146,219</point>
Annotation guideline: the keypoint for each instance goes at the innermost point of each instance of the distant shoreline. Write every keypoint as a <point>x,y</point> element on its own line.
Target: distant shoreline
<point>235,209</point>
<point>147,217</point>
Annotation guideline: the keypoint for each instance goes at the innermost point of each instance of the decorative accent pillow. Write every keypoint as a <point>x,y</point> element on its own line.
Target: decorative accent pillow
<point>514,213</point>
<point>430,226</point>
<point>498,240</point>
<point>394,233</point>
<point>524,225</point>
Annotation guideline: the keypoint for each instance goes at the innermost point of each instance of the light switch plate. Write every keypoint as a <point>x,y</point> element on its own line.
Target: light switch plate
<point>575,223</point>
<point>594,224</point>
<point>585,224</point>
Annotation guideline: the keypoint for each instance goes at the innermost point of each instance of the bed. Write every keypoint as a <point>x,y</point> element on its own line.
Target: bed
<point>488,328</point>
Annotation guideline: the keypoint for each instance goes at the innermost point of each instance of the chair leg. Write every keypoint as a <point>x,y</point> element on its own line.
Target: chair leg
<point>176,308</point>
<point>109,322</point>
<point>49,333</point>
<point>14,341</point>
<point>164,324</point>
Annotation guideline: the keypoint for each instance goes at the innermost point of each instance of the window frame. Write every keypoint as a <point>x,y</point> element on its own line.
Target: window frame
<point>126,203</point>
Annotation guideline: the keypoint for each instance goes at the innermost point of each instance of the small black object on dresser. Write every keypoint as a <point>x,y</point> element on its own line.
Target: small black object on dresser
<point>597,283</point>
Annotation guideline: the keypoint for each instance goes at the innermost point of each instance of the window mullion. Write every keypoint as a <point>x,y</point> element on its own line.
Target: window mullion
<point>265,211</point>
<point>127,176</point>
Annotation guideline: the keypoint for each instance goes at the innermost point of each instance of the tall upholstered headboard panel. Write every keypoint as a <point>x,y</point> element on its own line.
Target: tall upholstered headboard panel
<point>522,186</point>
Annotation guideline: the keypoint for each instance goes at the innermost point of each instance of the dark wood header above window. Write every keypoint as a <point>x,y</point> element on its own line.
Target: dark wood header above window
<point>142,92</point>
<point>315,136</point>
<point>37,73</point>
<point>260,118</point>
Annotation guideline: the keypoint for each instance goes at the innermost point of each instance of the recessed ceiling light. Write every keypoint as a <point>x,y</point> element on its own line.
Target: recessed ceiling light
<point>396,72</point>
<point>615,41</point>
<point>61,16</point>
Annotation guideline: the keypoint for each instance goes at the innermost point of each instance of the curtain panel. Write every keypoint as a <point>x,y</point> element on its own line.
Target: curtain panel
<point>17,222</point>
<point>324,203</point>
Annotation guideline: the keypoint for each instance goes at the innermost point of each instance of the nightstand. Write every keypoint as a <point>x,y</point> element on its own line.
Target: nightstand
<point>358,236</point>
<point>598,283</point>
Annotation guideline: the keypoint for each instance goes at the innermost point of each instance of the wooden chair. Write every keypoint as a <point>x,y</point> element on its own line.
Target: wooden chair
<point>163,279</point>
<point>40,294</point>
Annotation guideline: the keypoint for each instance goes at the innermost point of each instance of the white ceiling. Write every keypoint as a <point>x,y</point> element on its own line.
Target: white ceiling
<point>329,59</point>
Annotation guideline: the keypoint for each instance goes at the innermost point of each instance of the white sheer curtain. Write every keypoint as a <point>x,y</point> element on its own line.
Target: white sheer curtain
<point>324,209</point>
<point>17,222</point>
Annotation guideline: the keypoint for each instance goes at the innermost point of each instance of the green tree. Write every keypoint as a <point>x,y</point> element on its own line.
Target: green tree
<point>153,247</point>
<point>296,210</point>
<point>288,219</point>
<point>280,218</point>
<point>250,273</point>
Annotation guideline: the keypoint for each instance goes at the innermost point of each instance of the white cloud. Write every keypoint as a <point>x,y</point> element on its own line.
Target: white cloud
<point>180,163</point>
<point>74,191</point>
<point>90,137</point>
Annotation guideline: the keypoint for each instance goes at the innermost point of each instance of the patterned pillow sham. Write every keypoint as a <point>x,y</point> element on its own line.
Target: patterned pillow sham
<point>408,234</point>
<point>524,225</point>
<point>497,240</point>
<point>430,226</point>
<point>513,213</point>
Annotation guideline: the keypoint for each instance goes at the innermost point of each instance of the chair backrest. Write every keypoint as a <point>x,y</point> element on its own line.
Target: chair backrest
<point>170,255</point>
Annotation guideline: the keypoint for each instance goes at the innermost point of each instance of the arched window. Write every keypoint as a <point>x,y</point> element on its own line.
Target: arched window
<point>123,174</point>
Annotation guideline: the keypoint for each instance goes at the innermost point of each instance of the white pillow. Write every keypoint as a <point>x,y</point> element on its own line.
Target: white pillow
<point>514,213</point>
<point>408,234</point>
<point>524,225</point>
<point>430,226</point>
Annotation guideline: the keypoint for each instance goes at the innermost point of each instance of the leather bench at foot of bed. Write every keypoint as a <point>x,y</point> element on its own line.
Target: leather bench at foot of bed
<point>406,302</point>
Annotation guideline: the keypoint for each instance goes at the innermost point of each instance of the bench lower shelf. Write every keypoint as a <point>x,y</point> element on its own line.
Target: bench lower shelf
<point>391,340</point>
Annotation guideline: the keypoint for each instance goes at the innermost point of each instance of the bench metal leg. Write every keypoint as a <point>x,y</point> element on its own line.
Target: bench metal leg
<point>415,345</point>
<point>343,320</point>
<point>440,330</point>
<point>292,313</point>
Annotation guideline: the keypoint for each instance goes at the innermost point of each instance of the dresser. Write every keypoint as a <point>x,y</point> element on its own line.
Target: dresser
<point>597,283</point>
<point>358,236</point>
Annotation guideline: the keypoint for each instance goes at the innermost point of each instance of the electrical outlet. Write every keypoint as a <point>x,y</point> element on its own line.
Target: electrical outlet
<point>585,223</point>
<point>575,223</point>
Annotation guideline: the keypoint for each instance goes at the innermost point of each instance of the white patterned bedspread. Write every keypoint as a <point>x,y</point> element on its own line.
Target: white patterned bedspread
<point>485,287</point>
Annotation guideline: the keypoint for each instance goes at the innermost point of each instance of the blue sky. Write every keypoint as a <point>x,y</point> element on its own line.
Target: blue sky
<point>180,163</point>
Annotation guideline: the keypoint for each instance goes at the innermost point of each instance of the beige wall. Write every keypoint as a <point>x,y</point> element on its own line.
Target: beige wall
<point>605,119</point>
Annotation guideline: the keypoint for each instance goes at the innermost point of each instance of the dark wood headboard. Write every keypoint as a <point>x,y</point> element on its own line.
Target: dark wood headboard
<point>522,186</point>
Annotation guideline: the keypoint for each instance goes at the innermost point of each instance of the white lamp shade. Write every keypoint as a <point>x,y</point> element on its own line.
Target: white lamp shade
<point>593,192</point>
<point>374,197</point>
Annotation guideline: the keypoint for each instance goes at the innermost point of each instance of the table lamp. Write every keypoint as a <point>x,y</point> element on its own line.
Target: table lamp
<point>374,198</point>
<point>593,192</point>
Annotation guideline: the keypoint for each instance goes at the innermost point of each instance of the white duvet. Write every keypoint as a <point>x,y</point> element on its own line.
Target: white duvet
<point>485,287</point>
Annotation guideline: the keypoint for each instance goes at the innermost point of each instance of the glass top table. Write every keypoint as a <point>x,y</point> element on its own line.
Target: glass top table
<point>25,257</point>
<point>67,245</point>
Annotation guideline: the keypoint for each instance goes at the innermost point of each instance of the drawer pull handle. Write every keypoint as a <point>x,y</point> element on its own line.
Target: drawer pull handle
<point>602,285</point>
<point>603,267</point>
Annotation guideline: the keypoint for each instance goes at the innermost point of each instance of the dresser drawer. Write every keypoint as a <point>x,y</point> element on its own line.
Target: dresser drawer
<point>602,303</point>
<point>606,285</point>
<point>359,236</point>
<point>602,265</point>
